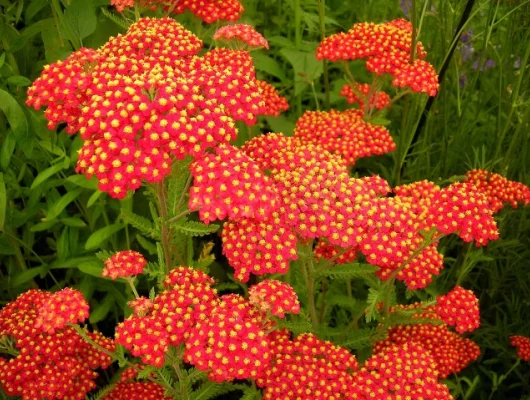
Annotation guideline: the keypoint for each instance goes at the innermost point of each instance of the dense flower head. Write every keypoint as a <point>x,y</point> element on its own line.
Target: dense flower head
<point>344,133</point>
<point>170,318</point>
<point>460,308</point>
<point>498,189</point>
<point>404,371</point>
<point>421,192</point>
<point>307,368</point>
<point>275,297</point>
<point>463,208</point>
<point>145,98</point>
<point>387,49</point>
<point>53,362</point>
<point>211,11</point>
<point>244,33</point>
<point>230,184</point>
<point>360,92</point>
<point>450,351</point>
<point>522,343</point>
<point>124,264</point>
<point>64,307</point>
<point>229,344</point>
<point>274,103</point>
<point>137,390</point>
<point>141,305</point>
<point>258,247</point>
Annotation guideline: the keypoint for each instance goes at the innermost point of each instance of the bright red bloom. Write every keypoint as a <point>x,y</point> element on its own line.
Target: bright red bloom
<point>450,352</point>
<point>211,11</point>
<point>141,306</point>
<point>124,264</point>
<point>459,308</point>
<point>242,32</point>
<point>307,368</point>
<point>230,184</point>
<point>359,92</point>
<point>137,390</point>
<point>186,277</point>
<point>275,297</point>
<point>229,344</point>
<point>498,189</point>
<point>331,252</point>
<point>64,307</point>
<point>405,371</point>
<point>463,208</point>
<point>522,343</point>
<point>344,133</point>
<point>274,103</point>
<point>420,76</point>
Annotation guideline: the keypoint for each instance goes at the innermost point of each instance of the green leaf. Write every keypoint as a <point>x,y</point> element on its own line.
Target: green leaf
<point>146,244</point>
<point>347,271</point>
<point>81,18</point>
<point>194,228</point>
<point>18,80</point>
<point>2,59</point>
<point>43,226</point>
<point>63,202</point>
<point>306,67</point>
<point>3,202</point>
<point>73,222</point>
<point>269,65</point>
<point>8,147</point>
<point>375,297</point>
<point>362,338</point>
<point>93,267</point>
<point>46,174</point>
<point>141,223</point>
<point>82,181</point>
<point>16,117</point>
<point>95,196</point>
<point>101,310</point>
<point>26,276</point>
<point>101,235</point>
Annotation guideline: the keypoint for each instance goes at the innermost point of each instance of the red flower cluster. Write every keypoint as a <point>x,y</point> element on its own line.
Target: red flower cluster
<point>329,252</point>
<point>459,308</point>
<point>275,297</point>
<point>124,264</point>
<point>450,352</point>
<point>344,133</point>
<point>243,33</point>
<point>53,363</point>
<point>522,343</point>
<point>211,11</point>
<point>141,305</point>
<point>230,184</point>
<point>137,390</point>
<point>360,92</point>
<point>146,97</point>
<point>229,344</point>
<point>173,314</point>
<point>64,307</point>
<point>405,371</point>
<point>307,368</point>
<point>274,103</point>
<point>498,189</point>
<point>387,48</point>
<point>462,208</point>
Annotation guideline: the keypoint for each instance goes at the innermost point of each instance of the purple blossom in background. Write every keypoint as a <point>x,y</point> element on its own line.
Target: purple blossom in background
<point>467,47</point>
<point>478,64</point>
<point>406,7</point>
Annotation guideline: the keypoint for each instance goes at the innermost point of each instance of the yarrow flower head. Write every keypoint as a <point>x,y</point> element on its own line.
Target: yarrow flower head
<point>243,33</point>
<point>498,189</point>
<point>124,264</point>
<point>404,371</point>
<point>211,11</point>
<point>137,390</point>
<point>459,308</point>
<point>274,103</point>
<point>64,307</point>
<point>307,368</point>
<point>344,133</point>
<point>275,297</point>
<point>230,184</point>
<point>522,343</point>
<point>229,344</point>
<point>141,305</point>
<point>359,93</point>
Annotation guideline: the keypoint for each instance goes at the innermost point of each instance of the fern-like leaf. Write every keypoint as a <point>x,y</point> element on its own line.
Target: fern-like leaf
<point>375,297</point>
<point>194,228</point>
<point>362,338</point>
<point>115,18</point>
<point>104,255</point>
<point>209,390</point>
<point>347,271</point>
<point>145,226</point>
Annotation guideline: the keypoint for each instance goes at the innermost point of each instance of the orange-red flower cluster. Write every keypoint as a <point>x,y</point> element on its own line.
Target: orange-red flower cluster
<point>144,98</point>
<point>459,308</point>
<point>243,33</point>
<point>450,352</point>
<point>387,49</point>
<point>522,343</point>
<point>211,11</point>
<point>124,264</point>
<point>498,189</point>
<point>344,133</point>
<point>360,92</point>
<point>53,362</point>
<point>274,103</point>
<point>403,371</point>
<point>137,390</point>
<point>307,368</point>
<point>64,307</point>
<point>274,297</point>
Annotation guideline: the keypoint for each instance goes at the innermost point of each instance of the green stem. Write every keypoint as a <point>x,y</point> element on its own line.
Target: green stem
<point>179,216</point>
<point>321,17</point>
<point>310,284</point>
<point>164,228</point>
<point>130,281</point>
<point>503,377</point>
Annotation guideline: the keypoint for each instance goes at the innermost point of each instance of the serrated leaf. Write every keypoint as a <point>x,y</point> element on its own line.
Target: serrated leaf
<point>362,338</point>
<point>347,271</point>
<point>101,235</point>
<point>375,297</point>
<point>141,223</point>
<point>194,228</point>
<point>104,255</point>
